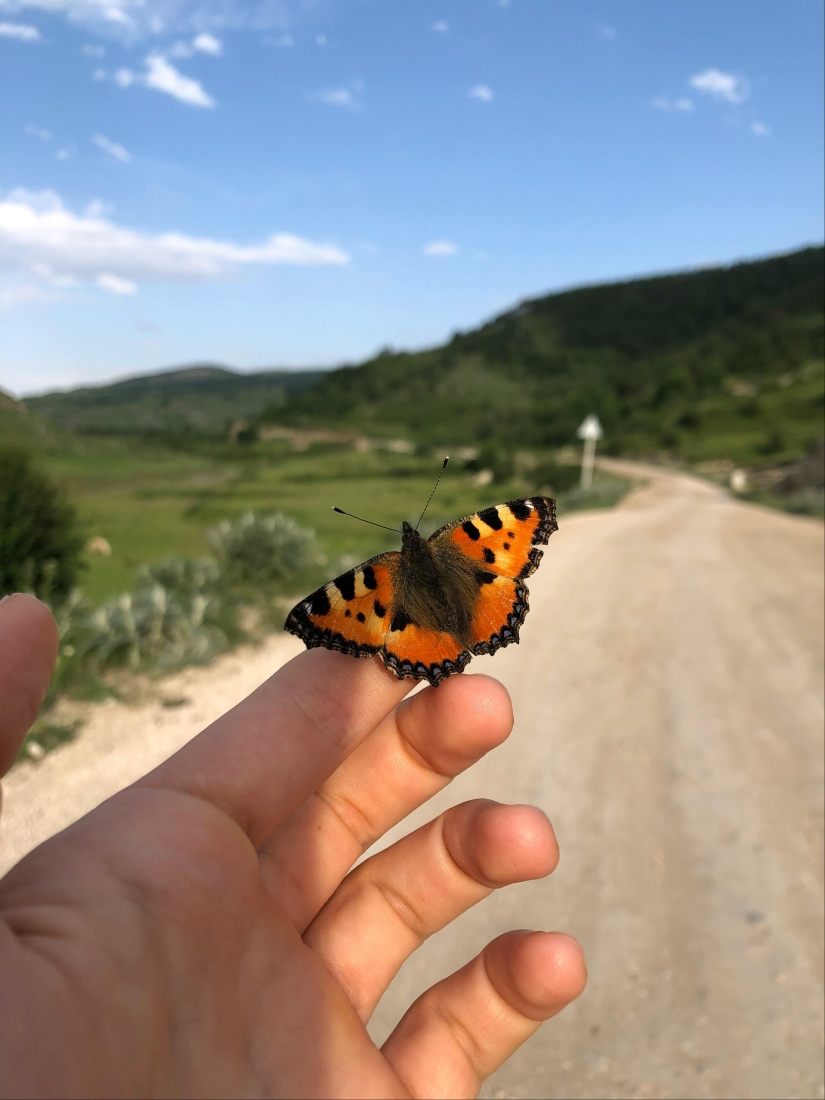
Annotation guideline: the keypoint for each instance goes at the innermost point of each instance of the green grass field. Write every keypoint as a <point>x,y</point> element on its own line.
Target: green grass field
<point>149,501</point>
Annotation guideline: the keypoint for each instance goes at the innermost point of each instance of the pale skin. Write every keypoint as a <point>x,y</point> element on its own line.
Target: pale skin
<point>203,933</point>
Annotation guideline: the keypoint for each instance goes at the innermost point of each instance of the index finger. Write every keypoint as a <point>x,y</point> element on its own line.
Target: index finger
<point>266,756</point>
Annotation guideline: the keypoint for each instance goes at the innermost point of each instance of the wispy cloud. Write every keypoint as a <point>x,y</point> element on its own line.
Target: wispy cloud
<point>720,85</point>
<point>441,26</point>
<point>281,41</point>
<point>115,284</point>
<point>681,103</point>
<point>349,97</point>
<point>604,30</point>
<point>161,76</point>
<point>201,43</point>
<point>40,236</point>
<point>133,20</point>
<point>93,51</point>
<point>112,148</point>
<point>38,132</point>
<point>482,92</point>
<point>321,40</point>
<point>88,12</point>
<point>440,248</point>
<point>760,129</point>
<point>23,32</point>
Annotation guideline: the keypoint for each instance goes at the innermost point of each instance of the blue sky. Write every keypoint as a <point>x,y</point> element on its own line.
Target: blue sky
<point>299,183</point>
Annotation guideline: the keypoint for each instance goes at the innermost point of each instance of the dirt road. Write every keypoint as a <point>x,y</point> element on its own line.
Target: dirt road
<point>669,709</point>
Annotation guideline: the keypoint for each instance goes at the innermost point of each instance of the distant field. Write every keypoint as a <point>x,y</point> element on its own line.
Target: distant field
<point>151,502</point>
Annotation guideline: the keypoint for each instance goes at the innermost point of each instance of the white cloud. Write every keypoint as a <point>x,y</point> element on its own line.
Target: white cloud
<point>440,248</point>
<point>133,20</point>
<point>23,294</point>
<point>162,76</point>
<point>115,13</point>
<point>36,131</point>
<point>321,40</point>
<point>283,41</point>
<point>604,30</point>
<point>62,154</point>
<point>21,31</point>
<point>115,285</point>
<point>40,236</point>
<point>93,51</point>
<point>482,92</point>
<point>727,86</point>
<point>441,26</point>
<point>165,78</point>
<point>337,97</point>
<point>112,148</point>
<point>208,43</point>
<point>760,129</point>
<point>681,103</point>
<point>349,97</point>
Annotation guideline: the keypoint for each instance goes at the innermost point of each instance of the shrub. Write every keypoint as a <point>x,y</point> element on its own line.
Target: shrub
<point>497,460</point>
<point>154,627</point>
<point>40,543</point>
<point>263,551</point>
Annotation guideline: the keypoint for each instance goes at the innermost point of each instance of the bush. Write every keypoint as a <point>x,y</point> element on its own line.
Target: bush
<point>40,543</point>
<point>263,551</point>
<point>155,628</point>
<point>497,460</point>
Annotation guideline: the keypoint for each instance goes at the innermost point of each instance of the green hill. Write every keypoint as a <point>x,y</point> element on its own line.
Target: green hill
<point>202,398</point>
<point>717,363</point>
<point>720,363</point>
<point>17,425</point>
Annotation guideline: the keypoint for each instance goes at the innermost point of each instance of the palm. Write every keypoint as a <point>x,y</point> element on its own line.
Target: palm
<point>201,933</point>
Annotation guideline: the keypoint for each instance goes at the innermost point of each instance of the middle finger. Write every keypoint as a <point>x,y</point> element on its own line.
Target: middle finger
<point>413,754</point>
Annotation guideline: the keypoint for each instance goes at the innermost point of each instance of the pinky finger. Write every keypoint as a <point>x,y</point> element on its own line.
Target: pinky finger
<point>465,1027</point>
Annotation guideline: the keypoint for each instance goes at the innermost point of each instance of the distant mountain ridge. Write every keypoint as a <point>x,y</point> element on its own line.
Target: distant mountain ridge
<point>204,398</point>
<point>718,362</point>
<point>722,362</point>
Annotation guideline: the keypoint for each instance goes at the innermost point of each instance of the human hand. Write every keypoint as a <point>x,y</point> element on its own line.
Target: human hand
<point>201,932</point>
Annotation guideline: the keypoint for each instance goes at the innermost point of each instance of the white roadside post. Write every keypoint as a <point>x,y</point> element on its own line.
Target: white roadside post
<point>590,430</point>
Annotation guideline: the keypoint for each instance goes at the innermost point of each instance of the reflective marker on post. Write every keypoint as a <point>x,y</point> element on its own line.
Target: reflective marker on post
<point>590,430</point>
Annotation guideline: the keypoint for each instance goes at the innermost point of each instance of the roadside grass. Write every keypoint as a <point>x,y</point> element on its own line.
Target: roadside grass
<point>151,501</point>
<point>167,595</point>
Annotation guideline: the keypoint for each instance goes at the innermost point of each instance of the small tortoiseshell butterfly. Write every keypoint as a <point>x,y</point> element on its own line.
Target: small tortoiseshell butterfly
<point>426,609</point>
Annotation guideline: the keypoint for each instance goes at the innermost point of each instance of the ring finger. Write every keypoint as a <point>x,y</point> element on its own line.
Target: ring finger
<point>392,902</point>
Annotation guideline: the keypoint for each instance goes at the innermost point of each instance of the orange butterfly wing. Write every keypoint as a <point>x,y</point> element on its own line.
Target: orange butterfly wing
<point>504,541</point>
<point>358,613</point>
<point>351,613</point>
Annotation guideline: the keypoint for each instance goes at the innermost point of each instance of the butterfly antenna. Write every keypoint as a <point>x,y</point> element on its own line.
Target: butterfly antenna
<point>341,512</point>
<point>432,494</point>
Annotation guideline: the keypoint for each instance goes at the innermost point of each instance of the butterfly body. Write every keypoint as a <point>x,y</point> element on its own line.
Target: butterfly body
<point>428,608</point>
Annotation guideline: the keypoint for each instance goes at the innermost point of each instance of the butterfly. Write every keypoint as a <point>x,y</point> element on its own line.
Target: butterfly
<point>428,608</point>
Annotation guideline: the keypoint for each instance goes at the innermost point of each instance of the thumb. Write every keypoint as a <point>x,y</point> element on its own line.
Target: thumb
<point>28,651</point>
